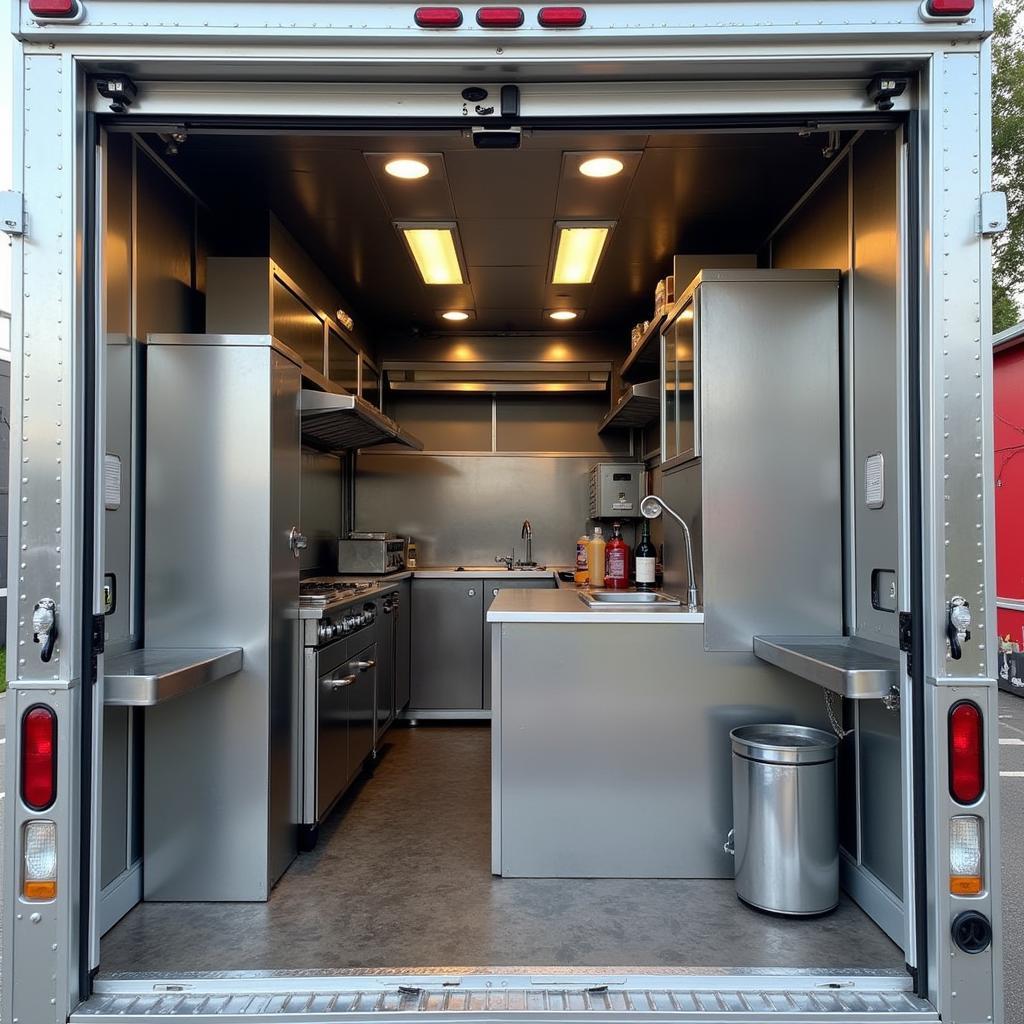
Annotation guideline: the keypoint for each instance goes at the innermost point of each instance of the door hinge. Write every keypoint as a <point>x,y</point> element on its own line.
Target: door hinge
<point>906,627</point>
<point>993,215</point>
<point>12,213</point>
<point>99,637</point>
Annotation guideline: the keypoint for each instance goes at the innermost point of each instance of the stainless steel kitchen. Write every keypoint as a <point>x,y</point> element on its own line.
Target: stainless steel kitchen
<point>503,543</point>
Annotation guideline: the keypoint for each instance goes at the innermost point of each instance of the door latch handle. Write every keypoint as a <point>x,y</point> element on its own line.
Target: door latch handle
<point>958,626</point>
<point>297,541</point>
<point>44,626</point>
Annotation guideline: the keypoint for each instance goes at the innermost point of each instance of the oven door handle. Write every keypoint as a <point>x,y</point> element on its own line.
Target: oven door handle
<point>340,683</point>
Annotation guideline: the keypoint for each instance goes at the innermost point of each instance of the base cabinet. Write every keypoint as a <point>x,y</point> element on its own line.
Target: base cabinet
<point>451,642</point>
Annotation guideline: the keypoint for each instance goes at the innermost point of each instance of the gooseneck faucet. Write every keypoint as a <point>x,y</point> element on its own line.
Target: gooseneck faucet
<point>650,508</point>
<point>527,535</point>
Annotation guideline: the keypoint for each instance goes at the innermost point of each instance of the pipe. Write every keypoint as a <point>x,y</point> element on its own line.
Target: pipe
<point>650,508</point>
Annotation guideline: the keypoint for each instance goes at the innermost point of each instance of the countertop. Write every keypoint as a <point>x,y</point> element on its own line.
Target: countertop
<point>564,605</point>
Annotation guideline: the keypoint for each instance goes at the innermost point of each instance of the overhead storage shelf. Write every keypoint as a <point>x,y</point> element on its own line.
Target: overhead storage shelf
<point>638,406</point>
<point>152,675</point>
<point>644,360</point>
<point>847,665</point>
<point>338,423</point>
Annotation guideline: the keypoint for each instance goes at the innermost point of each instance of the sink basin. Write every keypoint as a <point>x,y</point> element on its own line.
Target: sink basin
<point>628,599</point>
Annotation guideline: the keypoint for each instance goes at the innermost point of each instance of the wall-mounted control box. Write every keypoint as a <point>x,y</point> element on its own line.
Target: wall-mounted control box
<point>616,490</point>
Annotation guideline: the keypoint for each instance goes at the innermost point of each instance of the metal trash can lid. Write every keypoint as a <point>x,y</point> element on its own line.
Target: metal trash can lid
<point>784,744</point>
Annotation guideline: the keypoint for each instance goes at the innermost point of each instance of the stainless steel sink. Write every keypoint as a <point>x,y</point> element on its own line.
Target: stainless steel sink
<point>638,599</point>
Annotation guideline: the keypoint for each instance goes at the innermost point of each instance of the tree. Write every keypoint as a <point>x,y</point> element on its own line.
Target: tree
<point>1008,160</point>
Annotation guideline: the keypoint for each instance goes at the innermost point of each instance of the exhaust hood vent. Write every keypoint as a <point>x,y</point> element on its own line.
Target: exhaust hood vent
<point>475,378</point>
<point>337,423</point>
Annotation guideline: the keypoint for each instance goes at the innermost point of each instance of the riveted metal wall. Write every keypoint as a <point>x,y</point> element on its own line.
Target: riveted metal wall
<point>958,514</point>
<point>41,940</point>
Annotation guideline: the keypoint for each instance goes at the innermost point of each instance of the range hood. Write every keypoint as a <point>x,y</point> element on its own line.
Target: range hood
<point>337,423</point>
<point>527,378</point>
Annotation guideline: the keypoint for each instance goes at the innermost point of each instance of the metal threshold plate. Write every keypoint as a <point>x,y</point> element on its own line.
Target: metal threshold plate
<point>531,995</point>
<point>844,664</point>
<point>638,599</point>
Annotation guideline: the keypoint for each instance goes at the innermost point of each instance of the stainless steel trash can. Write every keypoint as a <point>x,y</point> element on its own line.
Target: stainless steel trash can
<point>785,830</point>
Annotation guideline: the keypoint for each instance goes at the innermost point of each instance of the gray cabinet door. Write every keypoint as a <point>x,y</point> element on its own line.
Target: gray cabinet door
<point>491,588</point>
<point>447,644</point>
<point>403,644</point>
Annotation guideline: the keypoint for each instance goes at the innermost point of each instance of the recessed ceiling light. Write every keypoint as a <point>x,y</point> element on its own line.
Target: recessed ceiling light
<point>455,315</point>
<point>563,314</point>
<point>435,253</point>
<point>578,253</point>
<point>406,167</point>
<point>601,167</point>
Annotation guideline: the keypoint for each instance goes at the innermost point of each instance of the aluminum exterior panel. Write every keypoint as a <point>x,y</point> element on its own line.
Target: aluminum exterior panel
<point>770,366</point>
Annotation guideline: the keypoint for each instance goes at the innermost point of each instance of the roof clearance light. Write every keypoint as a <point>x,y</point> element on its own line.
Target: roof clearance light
<point>966,753</point>
<point>53,8</point>
<point>438,17</point>
<point>455,315</point>
<point>561,17</point>
<point>563,314</point>
<point>407,168</point>
<point>579,251</point>
<point>949,8</point>
<point>434,251</point>
<point>601,167</point>
<point>499,17</point>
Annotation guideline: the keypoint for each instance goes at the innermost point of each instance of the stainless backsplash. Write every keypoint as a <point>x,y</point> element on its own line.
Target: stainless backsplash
<point>465,509</point>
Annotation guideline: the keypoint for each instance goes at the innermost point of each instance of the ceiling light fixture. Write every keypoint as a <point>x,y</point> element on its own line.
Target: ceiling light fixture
<point>433,249</point>
<point>563,314</point>
<point>601,167</point>
<point>455,315</point>
<point>407,168</point>
<point>578,252</point>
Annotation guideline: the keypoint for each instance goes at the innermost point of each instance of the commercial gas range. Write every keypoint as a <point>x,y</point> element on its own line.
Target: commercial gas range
<point>346,703</point>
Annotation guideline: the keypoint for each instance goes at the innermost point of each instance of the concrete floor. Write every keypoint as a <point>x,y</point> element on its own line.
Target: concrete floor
<point>401,877</point>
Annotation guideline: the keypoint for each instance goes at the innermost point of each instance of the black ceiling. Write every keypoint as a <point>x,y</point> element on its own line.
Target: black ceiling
<point>681,192</point>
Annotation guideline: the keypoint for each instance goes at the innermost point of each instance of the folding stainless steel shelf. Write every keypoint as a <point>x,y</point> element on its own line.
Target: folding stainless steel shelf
<point>334,423</point>
<point>152,675</point>
<point>645,356</point>
<point>844,664</point>
<point>638,406</point>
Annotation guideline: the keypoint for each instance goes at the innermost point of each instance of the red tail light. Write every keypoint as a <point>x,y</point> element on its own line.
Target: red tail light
<point>949,8</point>
<point>38,757</point>
<point>53,8</point>
<point>499,17</point>
<point>438,17</point>
<point>561,17</point>
<point>966,753</point>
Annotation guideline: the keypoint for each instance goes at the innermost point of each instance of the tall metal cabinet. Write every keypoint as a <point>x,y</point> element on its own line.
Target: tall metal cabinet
<point>222,508</point>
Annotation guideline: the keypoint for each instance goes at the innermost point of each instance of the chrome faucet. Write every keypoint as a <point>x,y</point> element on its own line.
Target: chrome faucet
<point>527,535</point>
<point>651,507</point>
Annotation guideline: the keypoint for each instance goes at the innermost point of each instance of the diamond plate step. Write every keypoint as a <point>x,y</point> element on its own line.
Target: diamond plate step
<point>729,999</point>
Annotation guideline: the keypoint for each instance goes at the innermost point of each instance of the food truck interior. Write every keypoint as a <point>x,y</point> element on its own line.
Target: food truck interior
<point>319,753</point>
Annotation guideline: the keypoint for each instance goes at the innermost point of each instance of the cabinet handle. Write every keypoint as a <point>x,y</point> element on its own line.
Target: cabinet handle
<point>495,591</point>
<point>364,666</point>
<point>340,684</point>
<point>471,592</point>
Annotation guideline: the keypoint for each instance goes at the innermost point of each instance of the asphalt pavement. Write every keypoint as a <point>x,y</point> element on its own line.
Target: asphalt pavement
<point>1011,787</point>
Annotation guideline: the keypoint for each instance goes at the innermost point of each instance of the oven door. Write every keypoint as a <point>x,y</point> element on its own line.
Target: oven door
<point>334,679</point>
<point>360,687</point>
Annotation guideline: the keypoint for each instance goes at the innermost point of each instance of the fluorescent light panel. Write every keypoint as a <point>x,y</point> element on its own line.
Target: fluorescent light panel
<point>434,250</point>
<point>578,252</point>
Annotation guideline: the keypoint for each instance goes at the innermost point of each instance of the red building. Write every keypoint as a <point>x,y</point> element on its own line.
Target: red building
<point>1008,381</point>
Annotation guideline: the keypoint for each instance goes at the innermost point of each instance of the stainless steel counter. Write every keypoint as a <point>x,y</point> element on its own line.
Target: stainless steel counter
<point>564,605</point>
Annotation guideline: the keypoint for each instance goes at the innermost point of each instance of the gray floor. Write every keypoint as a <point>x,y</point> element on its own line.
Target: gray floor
<point>401,877</point>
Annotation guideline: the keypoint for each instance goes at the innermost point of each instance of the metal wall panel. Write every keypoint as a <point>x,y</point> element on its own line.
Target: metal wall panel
<point>770,368</point>
<point>208,573</point>
<point>464,510</point>
<point>625,779</point>
<point>547,423</point>
<point>114,837</point>
<point>454,423</point>
<point>876,343</point>
<point>321,511</point>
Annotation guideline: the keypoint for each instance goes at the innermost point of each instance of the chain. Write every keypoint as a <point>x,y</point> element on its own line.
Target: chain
<point>833,718</point>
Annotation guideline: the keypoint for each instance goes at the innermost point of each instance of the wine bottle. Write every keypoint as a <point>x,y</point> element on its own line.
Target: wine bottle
<point>646,560</point>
